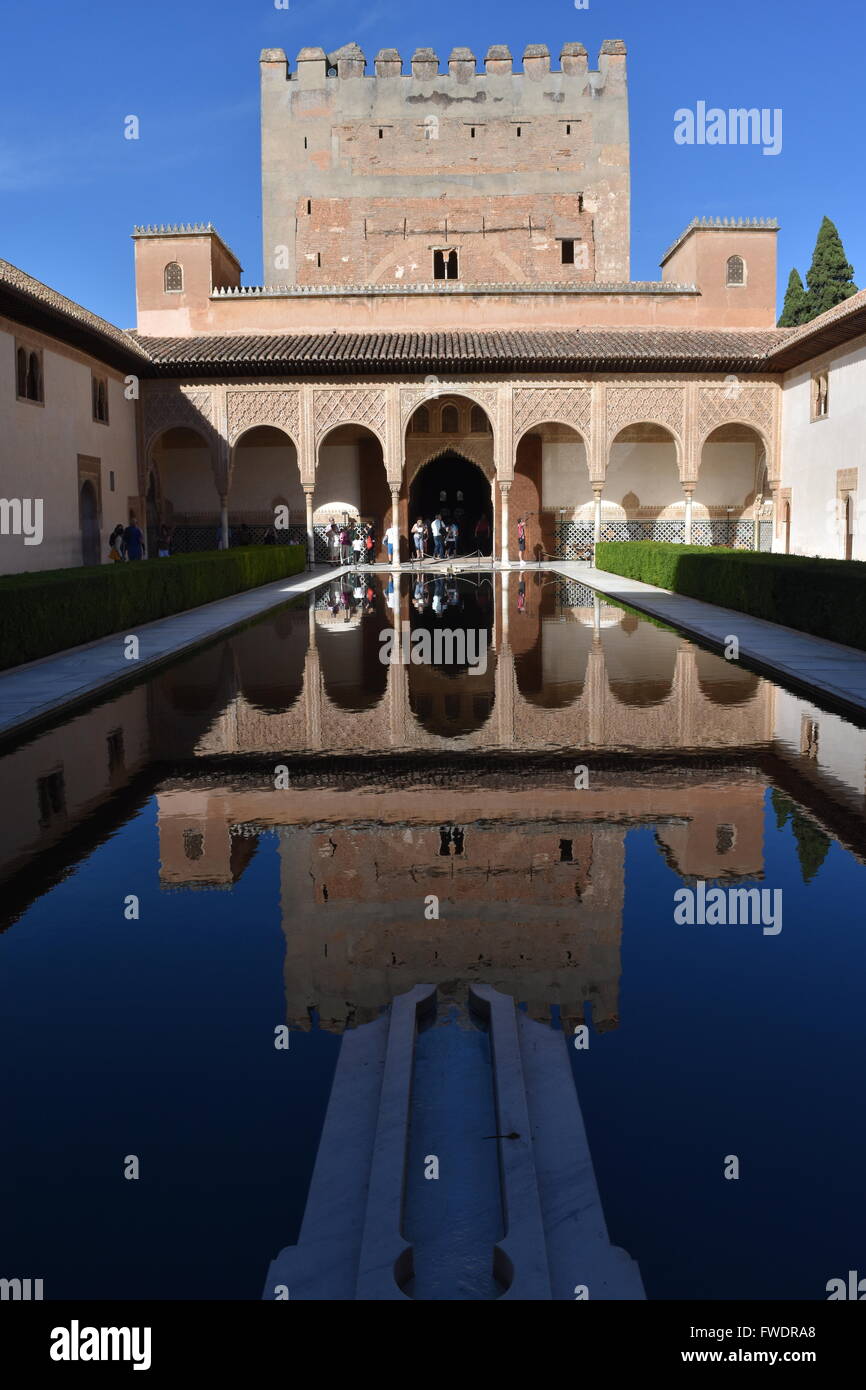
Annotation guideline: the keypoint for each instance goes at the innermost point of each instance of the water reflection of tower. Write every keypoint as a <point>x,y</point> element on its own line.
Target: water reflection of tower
<point>533,909</point>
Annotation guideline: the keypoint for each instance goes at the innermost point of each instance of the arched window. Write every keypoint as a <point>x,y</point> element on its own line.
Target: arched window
<point>100,400</point>
<point>421,420</point>
<point>22,372</point>
<point>450,420</point>
<point>479,423</point>
<point>736,271</point>
<point>173,278</point>
<point>34,378</point>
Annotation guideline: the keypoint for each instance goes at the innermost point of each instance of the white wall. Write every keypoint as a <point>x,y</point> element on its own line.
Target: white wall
<point>564,473</point>
<point>40,444</point>
<point>812,452</point>
<point>727,474</point>
<point>262,473</point>
<point>648,470</point>
<point>338,475</point>
<point>187,482</point>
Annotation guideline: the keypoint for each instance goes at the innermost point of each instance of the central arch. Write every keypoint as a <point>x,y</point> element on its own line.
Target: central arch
<point>458,489</point>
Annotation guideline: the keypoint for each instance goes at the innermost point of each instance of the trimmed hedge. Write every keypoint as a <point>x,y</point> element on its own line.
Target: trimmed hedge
<point>824,597</point>
<point>50,610</point>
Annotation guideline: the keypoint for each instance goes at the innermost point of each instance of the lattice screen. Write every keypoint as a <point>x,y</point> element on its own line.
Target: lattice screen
<point>573,540</point>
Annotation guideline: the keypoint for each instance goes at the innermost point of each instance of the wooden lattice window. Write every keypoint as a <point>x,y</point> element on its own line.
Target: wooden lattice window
<point>736,271</point>
<point>174,278</point>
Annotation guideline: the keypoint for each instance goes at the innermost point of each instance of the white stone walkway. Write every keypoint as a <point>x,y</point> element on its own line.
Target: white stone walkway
<point>31,692</point>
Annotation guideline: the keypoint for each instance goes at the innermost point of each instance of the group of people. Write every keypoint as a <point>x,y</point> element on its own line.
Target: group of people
<point>354,542</point>
<point>351,542</point>
<point>126,543</point>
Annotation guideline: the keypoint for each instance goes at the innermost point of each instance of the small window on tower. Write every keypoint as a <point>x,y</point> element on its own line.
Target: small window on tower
<point>736,271</point>
<point>568,253</point>
<point>309,206</point>
<point>472,132</point>
<point>520,130</point>
<point>445,265</point>
<point>567,128</point>
<point>173,278</point>
<point>381,133</point>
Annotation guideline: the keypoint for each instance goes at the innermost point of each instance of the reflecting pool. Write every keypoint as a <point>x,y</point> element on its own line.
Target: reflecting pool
<point>248,839</point>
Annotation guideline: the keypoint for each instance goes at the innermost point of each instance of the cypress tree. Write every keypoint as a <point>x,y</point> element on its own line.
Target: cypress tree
<point>794,308</point>
<point>830,277</point>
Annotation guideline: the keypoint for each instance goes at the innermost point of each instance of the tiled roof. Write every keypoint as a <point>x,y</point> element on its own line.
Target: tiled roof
<point>836,326</point>
<point>60,317</point>
<point>587,349</point>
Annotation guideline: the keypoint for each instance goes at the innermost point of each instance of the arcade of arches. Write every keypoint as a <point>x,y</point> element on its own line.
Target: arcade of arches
<point>629,458</point>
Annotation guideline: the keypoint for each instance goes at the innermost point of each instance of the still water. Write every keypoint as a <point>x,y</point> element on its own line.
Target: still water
<point>246,840</point>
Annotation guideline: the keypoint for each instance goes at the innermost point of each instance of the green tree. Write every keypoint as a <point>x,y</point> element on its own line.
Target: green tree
<point>812,843</point>
<point>830,278</point>
<point>794,310</point>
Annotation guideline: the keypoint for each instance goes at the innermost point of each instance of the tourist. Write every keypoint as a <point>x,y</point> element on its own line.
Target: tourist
<point>482,534</point>
<point>244,535</point>
<point>521,538</point>
<point>345,545</point>
<point>437,531</point>
<point>332,535</point>
<point>452,536</point>
<point>133,541</point>
<point>164,541</point>
<point>418,531</point>
<point>357,545</point>
<point>370,546</point>
<point>115,546</point>
<point>270,536</point>
<point>392,541</point>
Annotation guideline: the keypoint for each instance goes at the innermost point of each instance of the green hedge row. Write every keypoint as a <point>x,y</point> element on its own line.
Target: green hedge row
<point>824,597</point>
<point>50,610</point>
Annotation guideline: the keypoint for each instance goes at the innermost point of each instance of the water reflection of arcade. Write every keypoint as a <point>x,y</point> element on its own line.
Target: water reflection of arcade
<point>562,670</point>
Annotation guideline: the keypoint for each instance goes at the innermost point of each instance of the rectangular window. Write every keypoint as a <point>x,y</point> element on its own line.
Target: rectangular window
<point>111,480</point>
<point>820,396</point>
<point>309,206</point>
<point>28,374</point>
<point>116,754</point>
<point>99,392</point>
<point>446,264</point>
<point>567,252</point>
<point>51,794</point>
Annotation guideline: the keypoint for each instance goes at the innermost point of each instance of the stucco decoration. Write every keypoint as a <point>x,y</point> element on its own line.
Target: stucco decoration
<point>333,407</point>
<point>249,409</point>
<point>567,405</point>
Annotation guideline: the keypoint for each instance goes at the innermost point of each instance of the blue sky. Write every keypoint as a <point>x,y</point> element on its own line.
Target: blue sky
<point>71,187</point>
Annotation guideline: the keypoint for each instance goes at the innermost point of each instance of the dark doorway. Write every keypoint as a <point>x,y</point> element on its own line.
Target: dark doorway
<point>457,490</point>
<point>88,511</point>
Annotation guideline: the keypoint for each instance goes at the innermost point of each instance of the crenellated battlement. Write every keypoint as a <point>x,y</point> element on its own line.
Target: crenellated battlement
<point>396,171</point>
<point>313,65</point>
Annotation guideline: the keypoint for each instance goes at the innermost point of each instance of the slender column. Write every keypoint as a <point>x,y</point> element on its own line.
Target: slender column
<point>688,492</point>
<point>224,521</point>
<point>395,520</point>
<point>311,539</point>
<point>504,489</point>
<point>596,521</point>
